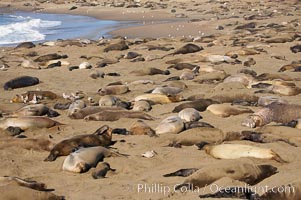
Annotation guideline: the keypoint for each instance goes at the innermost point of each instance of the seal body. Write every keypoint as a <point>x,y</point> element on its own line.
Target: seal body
<point>114,115</point>
<point>225,110</point>
<point>101,137</point>
<point>89,110</point>
<point>189,115</point>
<point>19,82</point>
<point>84,159</point>
<point>142,106</point>
<point>159,98</point>
<point>141,128</point>
<point>29,96</point>
<point>172,124</point>
<point>114,90</point>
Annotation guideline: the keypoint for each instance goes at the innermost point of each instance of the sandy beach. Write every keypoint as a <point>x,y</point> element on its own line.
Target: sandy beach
<point>231,34</point>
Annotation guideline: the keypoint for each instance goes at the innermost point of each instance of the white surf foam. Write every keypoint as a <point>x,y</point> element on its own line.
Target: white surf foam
<point>26,29</point>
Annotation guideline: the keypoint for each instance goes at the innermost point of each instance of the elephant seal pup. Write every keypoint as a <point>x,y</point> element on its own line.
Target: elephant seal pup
<point>85,158</point>
<point>199,104</point>
<point>101,170</point>
<point>142,106</point>
<point>114,115</point>
<point>29,96</point>
<point>167,90</point>
<point>172,124</point>
<point>235,151</point>
<point>226,110</point>
<point>108,100</point>
<point>113,90</point>
<point>34,110</point>
<point>89,110</point>
<point>28,143</point>
<point>189,115</point>
<point>239,169</point>
<point>76,106</point>
<point>159,98</point>
<point>141,128</point>
<point>21,81</point>
<point>275,112</point>
<point>101,137</point>
<point>182,172</point>
<point>27,122</point>
<point>150,71</point>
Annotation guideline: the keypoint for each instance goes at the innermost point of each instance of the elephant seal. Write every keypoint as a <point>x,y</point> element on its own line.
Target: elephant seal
<point>101,170</point>
<point>4,180</point>
<point>241,169</point>
<point>27,122</point>
<point>182,172</point>
<point>76,106</point>
<point>142,106</point>
<point>85,158</point>
<point>150,71</point>
<point>189,115</point>
<point>48,57</point>
<point>275,112</point>
<point>131,55</point>
<point>141,128</point>
<point>114,115</point>
<point>113,90</point>
<point>267,100</point>
<point>101,137</point>
<point>172,124</point>
<point>226,110</point>
<point>34,110</point>
<point>26,45</point>
<point>235,151</point>
<point>89,110</point>
<point>108,100</point>
<point>29,96</point>
<point>296,48</point>
<point>181,66</point>
<point>166,90</point>
<point>159,98</point>
<point>199,104</point>
<point>188,48</point>
<point>28,143</point>
<point>119,46</point>
<point>21,81</point>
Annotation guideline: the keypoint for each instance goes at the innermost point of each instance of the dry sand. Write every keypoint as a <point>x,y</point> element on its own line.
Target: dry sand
<point>202,19</point>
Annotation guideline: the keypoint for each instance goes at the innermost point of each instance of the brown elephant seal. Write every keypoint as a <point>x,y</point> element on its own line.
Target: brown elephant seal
<point>291,191</point>
<point>167,90</point>
<point>235,151</point>
<point>159,98</point>
<point>142,106</point>
<point>181,66</point>
<point>275,112</point>
<point>21,81</point>
<point>101,170</point>
<point>241,169</point>
<point>226,110</point>
<point>29,96</point>
<point>101,137</point>
<point>242,52</point>
<point>199,104</point>
<point>89,110</point>
<point>188,48</point>
<point>286,90</point>
<point>34,110</point>
<point>114,115</point>
<point>268,76</point>
<point>118,46</point>
<point>48,57</point>
<point>114,90</point>
<point>150,71</point>
<point>189,115</point>
<point>25,45</point>
<point>291,66</point>
<point>141,128</point>
<point>172,124</point>
<point>28,143</point>
<point>27,122</point>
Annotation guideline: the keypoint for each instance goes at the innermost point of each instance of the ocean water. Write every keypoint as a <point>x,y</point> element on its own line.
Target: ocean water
<point>20,27</point>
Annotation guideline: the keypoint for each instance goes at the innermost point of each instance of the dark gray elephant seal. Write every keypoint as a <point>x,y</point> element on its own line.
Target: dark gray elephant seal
<point>101,137</point>
<point>19,82</point>
<point>119,46</point>
<point>275,112</point>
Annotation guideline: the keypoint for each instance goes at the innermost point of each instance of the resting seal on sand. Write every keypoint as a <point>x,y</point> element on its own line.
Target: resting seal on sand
<point>19,82</point>
<point>225,110</point>
<point>101,170</point>
<point>89,110</point>
<point>189,115</point>
<point>141,128</point>
<point>28,122</point>
<point>172,124</point>
<point>83,159</point>
<point>29,96</point>
<point>159,98</point>
<point>275,112</point>
<point>34,110</point>
<point>234,151</point>
<point>142,106</point>
<point>242,170</point>
<point>28,143</point>
<point>188,48</point>
<point>101,137</point>
<point>114,115</point>
<point>119,46</point>
<point>199,104</point>
<point>150,71</point>
<point>114,90</point>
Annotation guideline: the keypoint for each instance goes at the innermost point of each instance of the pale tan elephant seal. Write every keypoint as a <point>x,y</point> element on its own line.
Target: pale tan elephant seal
<point>101,137</point>
<point>235,151</point>
<point>159,98</point>
<point>226,110</point>
<point>108,100</point>
<point>114,115</point>
<point>172,124</point>
<point>142,106</point>
<point>275,112</point>
<point>114,90</point>
<point>89,110</point>
<point>85,158</point>
<point>189,115</point>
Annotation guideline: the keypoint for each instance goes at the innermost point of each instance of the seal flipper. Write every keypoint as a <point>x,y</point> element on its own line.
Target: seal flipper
<point>101,130</point>
<point>182,172</point>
